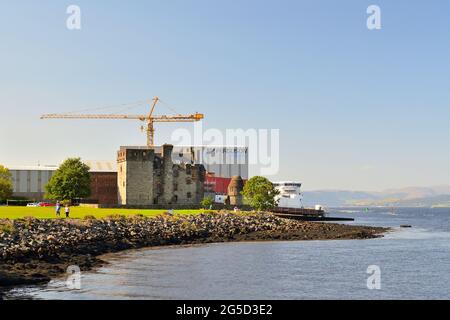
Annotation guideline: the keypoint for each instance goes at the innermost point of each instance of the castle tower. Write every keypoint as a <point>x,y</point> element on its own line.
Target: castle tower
<point>234,190</point>
<point>135,176</point>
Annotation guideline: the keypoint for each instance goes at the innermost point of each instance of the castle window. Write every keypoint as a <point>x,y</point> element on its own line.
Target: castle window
<point>188,181</point>
<point>189,195</point>
<point>175,187</point>
<point>175,199</point>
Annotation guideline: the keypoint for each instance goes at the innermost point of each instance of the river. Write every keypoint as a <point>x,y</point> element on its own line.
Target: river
<point>414,263</point>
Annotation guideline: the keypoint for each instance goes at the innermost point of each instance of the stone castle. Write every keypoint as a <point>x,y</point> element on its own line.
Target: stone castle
<point>150,179</point>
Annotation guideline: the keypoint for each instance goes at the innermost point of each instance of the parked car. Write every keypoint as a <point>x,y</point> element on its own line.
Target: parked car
<point>33,205</point>
<point>46,204</point>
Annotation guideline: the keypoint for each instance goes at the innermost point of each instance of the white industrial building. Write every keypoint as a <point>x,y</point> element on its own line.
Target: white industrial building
<point>29,181</point>
<point>223,161</point>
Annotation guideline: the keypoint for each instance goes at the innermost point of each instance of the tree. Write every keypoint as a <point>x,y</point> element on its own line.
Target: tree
<point>260,193</point>
<point>207,202</point>
<point>70,181</point>
<point>6,186</point>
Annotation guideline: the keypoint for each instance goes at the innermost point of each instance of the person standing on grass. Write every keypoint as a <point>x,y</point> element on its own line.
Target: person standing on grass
<point>58,208</point>
<point>67,210</point>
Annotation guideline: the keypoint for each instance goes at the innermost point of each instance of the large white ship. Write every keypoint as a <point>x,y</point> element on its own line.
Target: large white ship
<point>290,204</point>
<point>290,194</point>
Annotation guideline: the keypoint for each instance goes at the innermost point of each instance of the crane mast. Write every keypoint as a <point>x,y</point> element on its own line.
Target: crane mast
<point>150,119</point>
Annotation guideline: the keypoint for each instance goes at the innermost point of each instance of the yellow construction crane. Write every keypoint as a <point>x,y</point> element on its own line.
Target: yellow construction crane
<point>150,119</point>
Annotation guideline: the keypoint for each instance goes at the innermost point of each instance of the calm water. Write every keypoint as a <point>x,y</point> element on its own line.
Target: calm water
<point>414,263</point>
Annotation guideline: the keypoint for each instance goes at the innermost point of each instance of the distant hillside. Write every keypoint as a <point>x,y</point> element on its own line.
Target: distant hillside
<point>335,198</point>
<point>436,201</point>
<point>417,192</point>
<point>412,196</point>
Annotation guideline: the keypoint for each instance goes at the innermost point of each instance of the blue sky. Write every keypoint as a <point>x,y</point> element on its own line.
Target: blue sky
<point>357,109</point>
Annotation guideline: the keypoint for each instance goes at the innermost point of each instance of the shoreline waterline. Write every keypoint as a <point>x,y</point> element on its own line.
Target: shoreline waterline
<point>37,251</point>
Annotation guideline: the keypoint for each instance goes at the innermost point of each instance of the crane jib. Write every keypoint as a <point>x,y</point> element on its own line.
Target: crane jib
<point>150,119</point>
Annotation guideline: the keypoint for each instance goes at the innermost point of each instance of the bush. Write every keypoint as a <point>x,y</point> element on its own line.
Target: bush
<point>6,186</point>
<point>207,202</point>
<point>137,217</point>
<point>66,203</point>
<point>116,217</point>
<point>6,228</point>
<point>29,220</point>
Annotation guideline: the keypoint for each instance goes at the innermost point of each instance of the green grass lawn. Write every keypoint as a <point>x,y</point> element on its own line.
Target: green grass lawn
<point>80,212</point>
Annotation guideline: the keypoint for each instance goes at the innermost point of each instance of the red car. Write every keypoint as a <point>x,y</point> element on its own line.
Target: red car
<point>46,204</point>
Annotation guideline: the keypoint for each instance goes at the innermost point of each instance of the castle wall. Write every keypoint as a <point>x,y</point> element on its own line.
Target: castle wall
<point>190,184</point>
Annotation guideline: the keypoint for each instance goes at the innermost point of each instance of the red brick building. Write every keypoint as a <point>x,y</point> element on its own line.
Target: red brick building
<point>217,185</point>
<point>103,188</point>
<point>103,182</point>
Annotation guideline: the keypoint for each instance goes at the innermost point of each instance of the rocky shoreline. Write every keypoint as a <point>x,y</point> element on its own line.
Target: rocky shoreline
<point>33,251</point>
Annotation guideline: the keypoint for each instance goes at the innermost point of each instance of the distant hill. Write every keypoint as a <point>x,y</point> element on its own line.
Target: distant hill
<point>335,198</point>
<point>418,192</point>
<point>411,196</point>
<point>435,201</point>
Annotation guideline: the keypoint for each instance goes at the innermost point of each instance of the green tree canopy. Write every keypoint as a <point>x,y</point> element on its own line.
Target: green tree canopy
<point>260,193</point>
<point>6,186</point>
<point>70,181</point>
